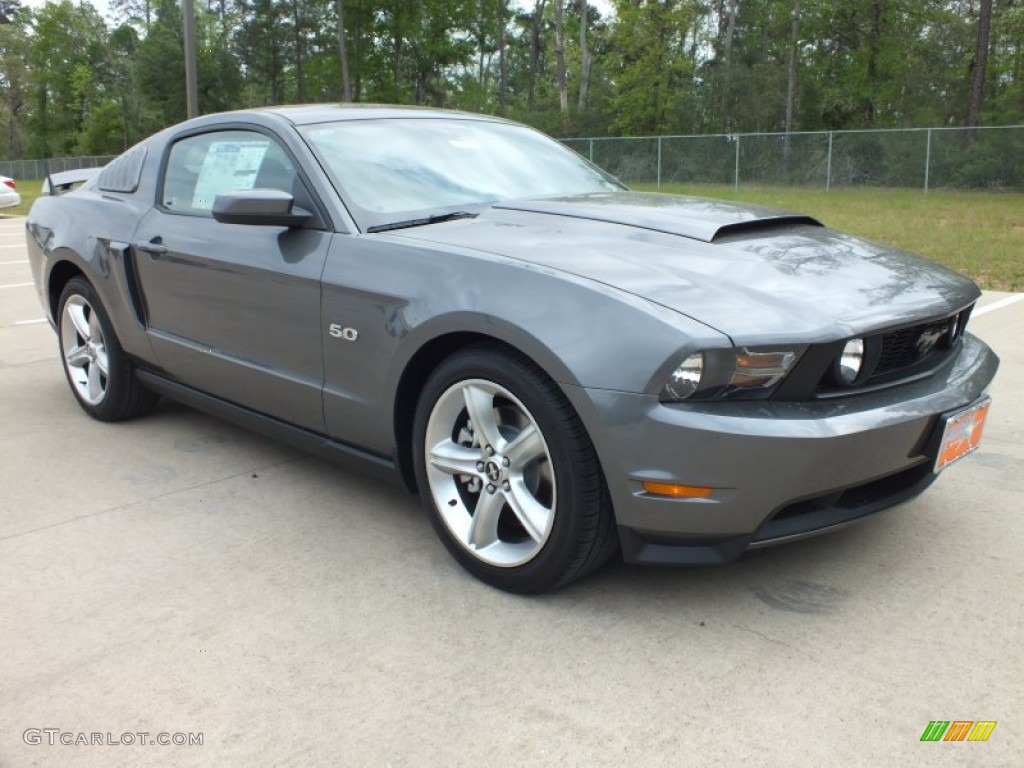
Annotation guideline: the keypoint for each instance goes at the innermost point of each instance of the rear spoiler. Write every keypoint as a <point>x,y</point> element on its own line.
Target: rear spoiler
<point>59,183</point>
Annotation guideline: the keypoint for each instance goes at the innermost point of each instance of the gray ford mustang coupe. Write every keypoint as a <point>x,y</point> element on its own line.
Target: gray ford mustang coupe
<point>561,368</point>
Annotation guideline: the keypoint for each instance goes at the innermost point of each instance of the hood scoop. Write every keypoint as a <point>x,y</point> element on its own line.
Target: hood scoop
<point>708,221</point>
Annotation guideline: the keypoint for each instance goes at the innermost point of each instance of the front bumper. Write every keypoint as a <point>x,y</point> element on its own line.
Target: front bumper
<point>780,470</point>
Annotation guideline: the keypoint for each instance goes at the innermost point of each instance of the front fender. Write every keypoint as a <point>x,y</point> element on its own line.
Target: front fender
<point>401,297</point>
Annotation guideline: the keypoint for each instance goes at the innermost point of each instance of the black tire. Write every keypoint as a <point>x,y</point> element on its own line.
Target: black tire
<point>117,395</point>
<point>563,479</point>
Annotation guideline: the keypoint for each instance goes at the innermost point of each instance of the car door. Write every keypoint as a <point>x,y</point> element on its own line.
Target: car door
<point>232,309</point>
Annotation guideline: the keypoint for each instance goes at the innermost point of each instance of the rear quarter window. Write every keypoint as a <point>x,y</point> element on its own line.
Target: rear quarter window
<point>123,173</point>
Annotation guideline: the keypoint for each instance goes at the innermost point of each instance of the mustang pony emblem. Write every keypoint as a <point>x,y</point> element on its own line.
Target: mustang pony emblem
<point>927,340</point>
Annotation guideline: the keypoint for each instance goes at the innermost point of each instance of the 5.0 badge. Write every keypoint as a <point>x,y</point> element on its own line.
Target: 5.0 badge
<point>348,334</point>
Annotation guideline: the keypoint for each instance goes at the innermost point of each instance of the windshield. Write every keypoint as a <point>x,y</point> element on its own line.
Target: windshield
<point>390,166</point>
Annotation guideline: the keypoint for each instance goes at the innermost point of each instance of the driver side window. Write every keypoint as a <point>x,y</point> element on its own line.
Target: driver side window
<point>201,167</point>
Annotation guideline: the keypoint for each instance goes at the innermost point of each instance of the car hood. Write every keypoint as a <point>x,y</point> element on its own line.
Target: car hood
<point>753,273</point>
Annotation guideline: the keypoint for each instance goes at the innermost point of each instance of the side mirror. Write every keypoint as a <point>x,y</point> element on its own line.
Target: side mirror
<point>267,207</point>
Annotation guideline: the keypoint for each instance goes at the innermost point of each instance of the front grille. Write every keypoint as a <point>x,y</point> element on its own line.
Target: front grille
<point>907,346</point>
<point>891,357</point>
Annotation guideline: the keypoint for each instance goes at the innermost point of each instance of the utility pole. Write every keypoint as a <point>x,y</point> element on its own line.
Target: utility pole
<point>191,88</point>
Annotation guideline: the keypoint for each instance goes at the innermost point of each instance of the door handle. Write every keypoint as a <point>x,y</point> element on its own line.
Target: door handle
<point>155,248</point>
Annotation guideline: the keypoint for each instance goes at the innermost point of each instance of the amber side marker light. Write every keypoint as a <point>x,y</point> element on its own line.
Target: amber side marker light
<point>678,491</point>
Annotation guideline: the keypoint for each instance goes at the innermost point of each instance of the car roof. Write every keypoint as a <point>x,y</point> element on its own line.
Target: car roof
<point>305,114</point>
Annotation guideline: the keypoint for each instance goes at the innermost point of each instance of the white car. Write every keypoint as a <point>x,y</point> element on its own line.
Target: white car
<point>9,196</point>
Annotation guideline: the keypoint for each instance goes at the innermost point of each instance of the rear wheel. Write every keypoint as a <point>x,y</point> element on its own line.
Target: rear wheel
<point>100,374</point>
<point>508,475</point>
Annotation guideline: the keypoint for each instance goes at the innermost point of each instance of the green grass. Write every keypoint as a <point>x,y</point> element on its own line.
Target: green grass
<point>979,234</point>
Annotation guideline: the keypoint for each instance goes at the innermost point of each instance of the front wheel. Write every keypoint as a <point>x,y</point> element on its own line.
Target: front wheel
<point>508,474</point>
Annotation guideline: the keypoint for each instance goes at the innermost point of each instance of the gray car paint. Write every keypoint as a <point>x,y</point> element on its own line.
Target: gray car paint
<point>606,293</point>
<point>226,320</point>
<point>796,283</point>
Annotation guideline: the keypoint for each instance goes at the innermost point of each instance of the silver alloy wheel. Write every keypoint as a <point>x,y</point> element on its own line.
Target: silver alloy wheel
<point>490,473</point>
<point>85,351</point>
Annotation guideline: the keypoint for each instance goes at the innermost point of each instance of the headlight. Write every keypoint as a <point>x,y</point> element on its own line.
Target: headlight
<point>761,370</point>
<point>744,373</point>
<point>851,361</point>
<point>685,380</point>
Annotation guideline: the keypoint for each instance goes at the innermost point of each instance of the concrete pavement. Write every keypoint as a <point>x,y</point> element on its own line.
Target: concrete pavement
<point>176,575</point>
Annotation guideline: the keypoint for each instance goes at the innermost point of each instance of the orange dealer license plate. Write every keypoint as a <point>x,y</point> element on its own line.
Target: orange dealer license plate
<point>962,433</point>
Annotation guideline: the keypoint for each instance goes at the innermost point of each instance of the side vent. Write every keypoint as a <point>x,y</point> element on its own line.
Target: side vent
<point>131,276</point>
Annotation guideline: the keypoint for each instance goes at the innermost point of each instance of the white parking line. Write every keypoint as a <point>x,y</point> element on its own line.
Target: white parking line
<point>23,261</point>
<point>30,322</point>
<point>998,305</point>
<point>16,285</point>
<point>19,245</point>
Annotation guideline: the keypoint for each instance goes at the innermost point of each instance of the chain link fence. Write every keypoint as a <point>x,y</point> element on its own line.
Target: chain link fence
<point>36,169</point>
<point>989,158</point>
<point>925,158</point>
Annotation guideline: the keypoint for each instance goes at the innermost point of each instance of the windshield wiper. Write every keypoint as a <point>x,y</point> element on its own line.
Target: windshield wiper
<point>437,218</point>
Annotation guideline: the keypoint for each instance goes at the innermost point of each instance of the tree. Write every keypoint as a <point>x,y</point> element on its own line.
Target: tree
<point>979,66</point>
<point>67,62</point>
<point>346,86</point>
<point>138,12</point>
<point>161,68</point>
<point>563,86</point>
<point>585,61</point>
<point>9,10</point>
<point>15,87</point>
<point>502,57</point>
<point>653,74</point>
<point>263,43</point>
<point>791,67</point>
<point>536,32</point>
<point>67,83</point>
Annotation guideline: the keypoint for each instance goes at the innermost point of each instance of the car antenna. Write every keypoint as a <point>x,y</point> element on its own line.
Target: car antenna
<point>49,181</point>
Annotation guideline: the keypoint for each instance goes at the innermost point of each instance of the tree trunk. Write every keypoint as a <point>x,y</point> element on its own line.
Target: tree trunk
<point>346,86</point>
<point>300,73</point>
<point>730,31</point>
<point>502,58</point>
<point>396,59</point>
<point>584,57</point>
<point>563,86</point>
<point>357,75</point>
<point>481,43</point>
<point>979,67</point>
<point>794,42</point>
<point>874,44</point>
<point>276,85</point>
<point>535,30</point>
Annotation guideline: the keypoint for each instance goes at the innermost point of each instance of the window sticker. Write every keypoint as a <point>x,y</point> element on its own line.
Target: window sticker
<point>228,165</point>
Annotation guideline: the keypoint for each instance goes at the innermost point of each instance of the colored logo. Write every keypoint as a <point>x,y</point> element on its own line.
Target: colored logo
<point>958,730</point>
